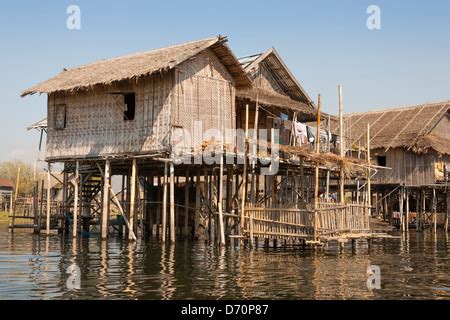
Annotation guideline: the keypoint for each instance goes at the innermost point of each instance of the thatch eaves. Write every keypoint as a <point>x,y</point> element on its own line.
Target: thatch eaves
<point>135,66</point>
<point>407,127</point>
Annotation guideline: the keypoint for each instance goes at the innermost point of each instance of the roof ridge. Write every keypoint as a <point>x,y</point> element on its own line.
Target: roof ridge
<point>428,104</point>
<point>135,54</point>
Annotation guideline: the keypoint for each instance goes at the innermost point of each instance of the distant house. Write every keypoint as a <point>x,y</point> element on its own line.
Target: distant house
<point>6,191</point>
<point>413,141</point>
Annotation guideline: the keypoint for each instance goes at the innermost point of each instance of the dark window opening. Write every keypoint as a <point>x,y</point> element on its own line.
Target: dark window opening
<point>129,107</point>
<point>381,161</point>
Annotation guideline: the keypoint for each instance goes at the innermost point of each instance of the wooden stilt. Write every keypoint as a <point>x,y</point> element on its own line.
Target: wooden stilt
<point>434,209</point>
<point>133,182</point>
<point>164,205</point>
<point>219,200</point>
<point>369,191</point>
<point>407,210</point>
<point>400,206</point>
<point>76,195</point>
<point>316,176</point>
<point>105,204</point>
<point>244,175</point>
<point>186,206</point>
<point>341,148</point>
<point>48,197</point>
<point>197,204</point>
<point>447,212</point>
<point>172,203</point>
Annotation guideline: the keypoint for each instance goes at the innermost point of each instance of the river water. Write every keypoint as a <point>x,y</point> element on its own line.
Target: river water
<point>35,267</point>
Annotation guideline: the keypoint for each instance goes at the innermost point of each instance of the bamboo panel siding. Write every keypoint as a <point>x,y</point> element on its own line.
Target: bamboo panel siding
<point>279,222</point>
<point>288,222</point>
<point>408,168</point>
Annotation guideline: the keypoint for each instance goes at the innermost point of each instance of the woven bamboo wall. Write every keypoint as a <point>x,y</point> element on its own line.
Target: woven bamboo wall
<point>95,124</point>
<point>199,89</point>
<point>204,92</point>
<point>407,167</point>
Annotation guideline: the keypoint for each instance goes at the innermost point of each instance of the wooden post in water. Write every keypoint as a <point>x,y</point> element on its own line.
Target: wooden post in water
<point>172,203</point>
<point>16,194</point>
<point>447,212</point>
<point>75,200</point>
<point>105,205</point>
<point>369,191</point>
<point>341,148</point>
<point>164,205</point>
<point>316,176</point>
<point>186,206</point>
<point>133,196</point>
<point>244,175</point>
<point>434,209</point>
<point>407,210</point>
<point>48,197</point>
<point>219,201</point>
<point>400,208</point>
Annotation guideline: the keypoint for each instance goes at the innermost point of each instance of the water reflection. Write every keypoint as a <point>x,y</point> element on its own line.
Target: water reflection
<point>34,267</point>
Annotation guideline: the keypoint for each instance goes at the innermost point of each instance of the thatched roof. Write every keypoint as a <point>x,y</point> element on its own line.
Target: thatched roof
<point>296,98</point>
<point>274,99</point>
<point>279,71</point>
<point>134,66</point>
<point>409,127</point>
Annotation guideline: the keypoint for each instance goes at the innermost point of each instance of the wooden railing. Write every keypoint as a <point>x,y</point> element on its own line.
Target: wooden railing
<point>278,222</point>
<point>333,218</point>
<point>292,222</point>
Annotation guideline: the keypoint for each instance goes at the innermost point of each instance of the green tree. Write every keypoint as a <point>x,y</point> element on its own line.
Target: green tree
<point>8,170</point>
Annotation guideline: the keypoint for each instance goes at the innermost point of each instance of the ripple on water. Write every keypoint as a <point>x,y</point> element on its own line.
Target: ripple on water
<point>33,267</point>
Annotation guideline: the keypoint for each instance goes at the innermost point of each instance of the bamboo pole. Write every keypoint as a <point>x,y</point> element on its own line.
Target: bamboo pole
<point>16,194</point>
<point>407,210</point>
<point>221,228</point>
<point>447,212</point>
<point>369,191</point>
<point>244,175</point>
<point>76,199</point>
<point>164,204</point>
<point>48,197</point>
<point>327,190</point>
<point>400,206</point>
<point>105,204</point>
<point>172,203</point>
<point>316,176</point>
<point>132,196</point>
<point>197,203</point>
<point>341,148</point>
<point>434,204</point>
<point>186,206</point>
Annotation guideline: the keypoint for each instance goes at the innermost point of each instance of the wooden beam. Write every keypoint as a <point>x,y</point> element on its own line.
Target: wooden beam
<point>172,203</point>
<point>75,199</point>
<point>316,175</point>
<point>132,196</point>
<point>48,197</point>
<point>219,201</point>
<point>369,191</point>
<point>341,148</point>
<point>164,204</point>
<point>186,206</point>
<point>105,203</point>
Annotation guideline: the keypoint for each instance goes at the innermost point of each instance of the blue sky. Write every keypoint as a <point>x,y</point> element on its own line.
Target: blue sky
<point>323,42</point>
